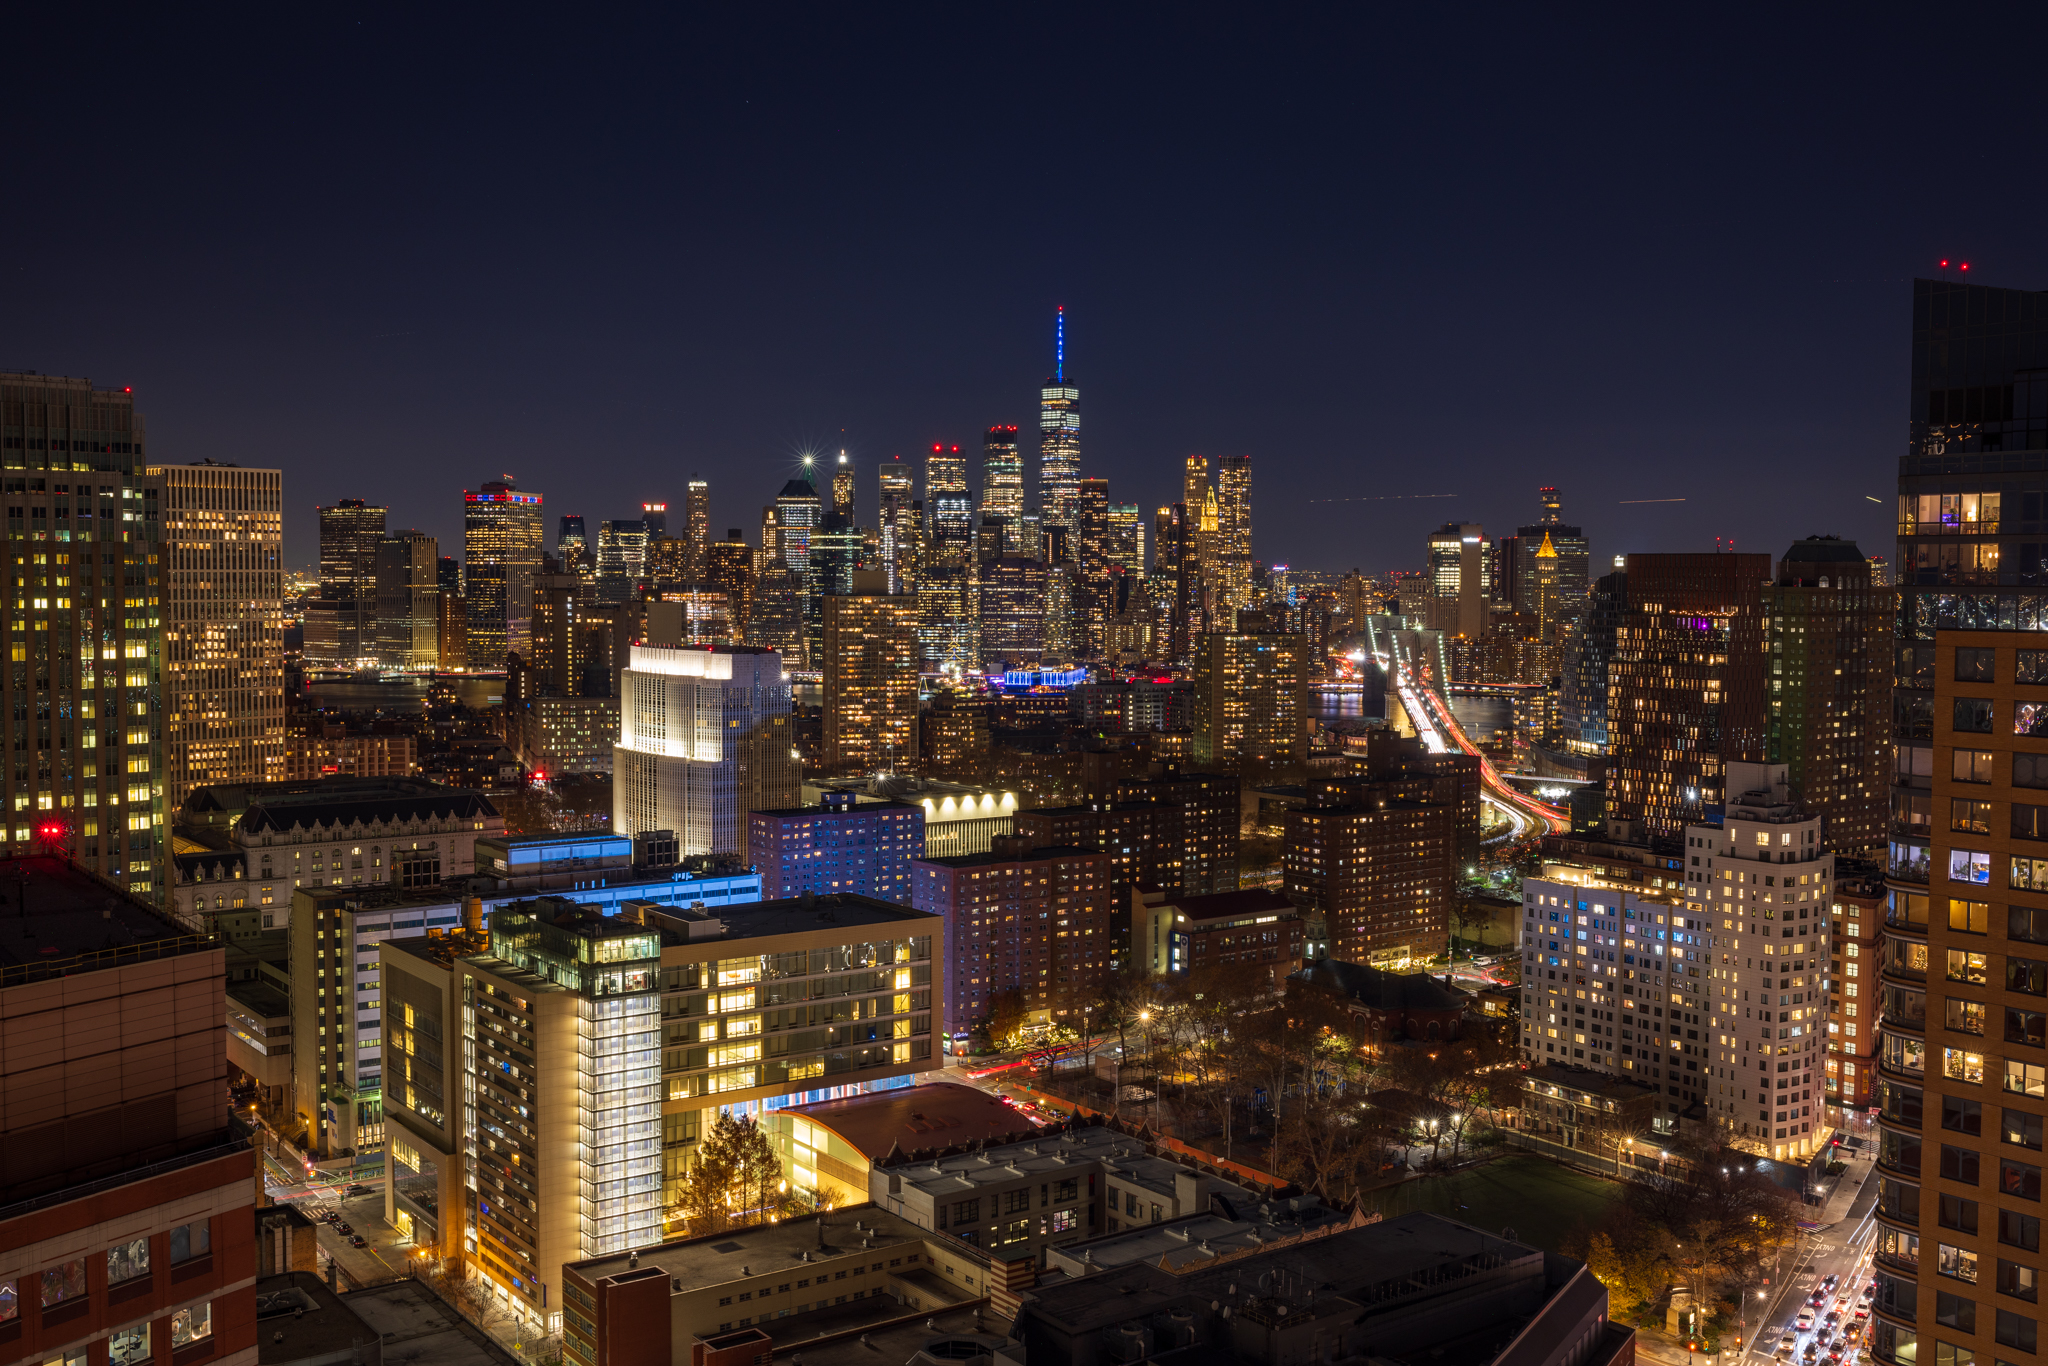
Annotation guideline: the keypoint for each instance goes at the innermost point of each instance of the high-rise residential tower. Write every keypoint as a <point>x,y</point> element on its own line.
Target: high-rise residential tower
<point>697,525</point>
<point>1830,703</point>
<point>1059,440</point>
<point>223,620</point>
<point>1251,701</point>
<point>1458,579</point>
<point>870,663</point>
<point>1002,487</point>
<point>501,547</point>
<point>729,569</point>
<point>1591,643</point>
<point>707,738</point>
<point>1685,687</point>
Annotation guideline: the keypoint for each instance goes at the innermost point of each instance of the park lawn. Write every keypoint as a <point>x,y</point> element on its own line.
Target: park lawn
<point>1541,1201</point>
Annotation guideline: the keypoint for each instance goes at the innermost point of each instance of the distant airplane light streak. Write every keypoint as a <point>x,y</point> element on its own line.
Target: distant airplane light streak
<point>1653,500</point>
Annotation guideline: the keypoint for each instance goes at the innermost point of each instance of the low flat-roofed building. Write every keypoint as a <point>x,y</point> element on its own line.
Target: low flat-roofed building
<point>832,1146</point>
<point>1389,1005</point>
<point>1252,931</point>
<point>1414,1287</point>
<point>768,1288</point>
<point>300,1321</point>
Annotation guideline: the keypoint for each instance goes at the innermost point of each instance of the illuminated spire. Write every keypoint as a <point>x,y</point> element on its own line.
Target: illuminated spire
<point>1059,346</point>
<point>1546,551</point>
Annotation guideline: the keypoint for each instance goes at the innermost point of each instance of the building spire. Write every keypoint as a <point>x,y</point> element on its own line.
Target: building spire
<point>1059,346</point>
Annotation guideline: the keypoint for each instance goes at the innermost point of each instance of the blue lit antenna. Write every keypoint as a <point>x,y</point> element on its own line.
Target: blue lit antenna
<point>1059,346</point>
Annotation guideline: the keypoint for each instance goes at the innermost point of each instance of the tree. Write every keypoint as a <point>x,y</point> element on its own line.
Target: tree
<point>1719,1215</point>
<point>1333,1139</point>
<point>735,1179</point>
<point>1628,1262</point>
<point>1007,1012</point>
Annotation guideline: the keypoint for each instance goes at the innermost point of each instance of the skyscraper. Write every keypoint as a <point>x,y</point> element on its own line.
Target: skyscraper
<point>1011,594</point>
<point>1059,440</point>
<point>870,663</point>
<point>900,539</point>
<point>1590,651</point>
<point>1125,548</point>
<point>223,626</point>
<point>1830,703</point>
<point>729,569</point>
<point>340,623</point>
<point>697,525</point>
<point>621,559</point>
<point>408,601</point>
<point>798,510</point>
<point>86,580</point>
<point>835,555</point>
<point>1002,487</point>
<point>1516,569</point>
<point>1685,687</point>
<point>1251,700</point>
<point>501,547</point>
<point>654,516</point>
<point>707,738</point>
<point>842,488</point>
<point>1458,579</point>
<point>1233,546</point>
<point>1094,594</point>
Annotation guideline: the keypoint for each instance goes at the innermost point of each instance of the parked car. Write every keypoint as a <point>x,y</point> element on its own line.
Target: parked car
<point>343,1229</point>
<point>356,1240</point>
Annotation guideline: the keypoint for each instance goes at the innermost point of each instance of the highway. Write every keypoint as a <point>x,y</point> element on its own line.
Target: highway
<point>1439,730</point>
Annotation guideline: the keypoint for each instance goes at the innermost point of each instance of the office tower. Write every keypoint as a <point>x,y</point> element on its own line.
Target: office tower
<point>341,622</point>
<point>1125,544</point>
<point>901,539</point>
<point>697,523</point>
<point>1195,482</point>
<point>778,617</point>
<point>621,560</point>
<point>1059,440</point>
<point>448,576</point>
<point>950,505</point>
<point>501,550</point>
<point>1516,567</point>
<point>1830,702</point>
<point>706,738</point>
<point>837,846</point>
<point>1458,579</point>
<point>1095,595</point>
<point>1232,484</point>
<point>949,618</point>
<point>1685,689</point>
<point>1011,596</point>
<point>654,517</point>
<point>572,543</point>
<point>1964,972</point>
<point>1588,653</point>
<point>555,666</point>
<point>842,488</point>
<point>1251,700</point>
<point>1172,572</point>
<point>729,569</point>
<point>1002,488</point>
<point>84,580</point>
<point>223,619</point>
<point>408,601</point>
<point>669,565</point>
<point>1061,632</point>
<point>127,1190</point>
<point>1036,921</point>
<point>870,663</point>
<point>797,514</point>
<point>452,632</point>
<point>834,556</point>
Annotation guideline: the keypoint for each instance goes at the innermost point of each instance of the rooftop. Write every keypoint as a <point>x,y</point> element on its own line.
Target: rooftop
<point>860,809</point>
<point>763,1249</point>
<point>1182,1245</point>
<point>222,803</point>
<point>418,1325</point>
<point>442,949</point>
<point>1051,1151</point>
<point>934,1114</point>
<point>1382,990</point>
<point>56,919</point>
<point>838,910</point>
<point>1038,855</point>
<point>1228,905</point>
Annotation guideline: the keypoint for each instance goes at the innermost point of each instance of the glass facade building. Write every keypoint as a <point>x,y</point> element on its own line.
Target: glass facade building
<point>501,546</point>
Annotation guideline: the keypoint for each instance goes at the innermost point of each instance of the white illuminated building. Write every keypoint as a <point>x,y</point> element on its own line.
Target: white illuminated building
<point>704,738</point>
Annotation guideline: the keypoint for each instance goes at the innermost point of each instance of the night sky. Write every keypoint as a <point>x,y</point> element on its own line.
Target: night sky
<point>1384,256</point>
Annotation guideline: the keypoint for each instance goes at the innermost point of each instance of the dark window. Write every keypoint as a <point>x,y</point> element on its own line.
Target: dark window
<point>2026,975</point>
<point>1962,1116</point>
<point>2017,1280</point>
<point>1958,1214</point>
<point>1953,1311</point>
<point>1976,665</point>
<point>2026,923</point>
<point>2020,1179</point>
<point>2018,1230</point>
<point>2029,822</point>
<point>2022,1129</point>
<point>1959,1164</point>
<point>2028,1027</point>
<point>2029,770</point>
<point>2016,1330</point>
<point>1972,715</point>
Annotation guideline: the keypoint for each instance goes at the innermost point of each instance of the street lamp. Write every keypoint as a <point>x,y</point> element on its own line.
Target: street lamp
<point>1151,1061</point>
